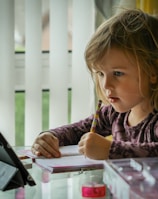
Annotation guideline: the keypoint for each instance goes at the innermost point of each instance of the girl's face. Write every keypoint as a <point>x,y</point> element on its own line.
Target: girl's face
<point>119,79</point>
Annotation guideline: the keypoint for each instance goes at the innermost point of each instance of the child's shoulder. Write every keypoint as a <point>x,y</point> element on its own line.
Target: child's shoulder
<point>153,117</point>
<point>109,111</point>
<point>152,122</point>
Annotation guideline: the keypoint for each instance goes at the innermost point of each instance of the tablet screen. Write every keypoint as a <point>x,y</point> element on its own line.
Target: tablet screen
<point>8,156</point>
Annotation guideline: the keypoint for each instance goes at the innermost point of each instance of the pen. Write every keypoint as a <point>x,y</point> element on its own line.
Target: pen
<point>96,115</point>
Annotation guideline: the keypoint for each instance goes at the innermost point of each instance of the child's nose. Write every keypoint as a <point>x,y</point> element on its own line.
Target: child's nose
<point>107,82</point>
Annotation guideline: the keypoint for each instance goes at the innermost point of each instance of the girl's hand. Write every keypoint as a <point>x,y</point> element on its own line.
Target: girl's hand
<point>94,146</point>
<point>46,144</point>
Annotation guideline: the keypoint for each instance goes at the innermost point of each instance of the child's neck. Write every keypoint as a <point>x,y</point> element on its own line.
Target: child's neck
<point>136,116</point>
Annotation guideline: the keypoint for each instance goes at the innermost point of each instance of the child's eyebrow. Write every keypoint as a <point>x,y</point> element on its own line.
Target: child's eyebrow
<point>100,67</point>
<point>118,67</point>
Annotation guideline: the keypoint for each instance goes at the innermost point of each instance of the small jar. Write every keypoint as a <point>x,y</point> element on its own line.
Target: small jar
<point>92,186</point>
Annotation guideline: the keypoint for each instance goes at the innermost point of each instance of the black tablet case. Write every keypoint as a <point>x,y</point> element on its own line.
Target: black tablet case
<point>13,174</point>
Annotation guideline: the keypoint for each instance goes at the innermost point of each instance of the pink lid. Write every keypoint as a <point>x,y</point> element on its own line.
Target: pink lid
<point>93,191</point>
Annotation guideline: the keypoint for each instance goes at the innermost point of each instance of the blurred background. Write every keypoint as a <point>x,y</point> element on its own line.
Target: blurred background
<point>44,79</point>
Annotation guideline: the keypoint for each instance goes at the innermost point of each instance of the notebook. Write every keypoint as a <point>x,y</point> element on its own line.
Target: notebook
<point>70,160</point>
<point>13,174</point>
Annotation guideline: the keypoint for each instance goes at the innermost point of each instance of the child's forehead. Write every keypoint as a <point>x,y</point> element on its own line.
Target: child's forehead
<point>110,53</point>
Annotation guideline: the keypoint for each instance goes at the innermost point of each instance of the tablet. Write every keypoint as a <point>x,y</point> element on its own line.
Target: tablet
<point>13,174</point>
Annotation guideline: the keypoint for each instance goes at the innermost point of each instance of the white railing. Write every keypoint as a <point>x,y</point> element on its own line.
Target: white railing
<point>56,70</point>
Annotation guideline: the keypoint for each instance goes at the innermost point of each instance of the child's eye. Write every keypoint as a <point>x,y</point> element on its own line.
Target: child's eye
<point>118,73</point>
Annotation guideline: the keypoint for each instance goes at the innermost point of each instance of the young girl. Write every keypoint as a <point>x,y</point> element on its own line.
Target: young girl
<point>122,57</point>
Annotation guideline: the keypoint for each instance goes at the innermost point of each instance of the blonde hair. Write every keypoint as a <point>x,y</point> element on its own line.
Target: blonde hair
<point>134,32</point>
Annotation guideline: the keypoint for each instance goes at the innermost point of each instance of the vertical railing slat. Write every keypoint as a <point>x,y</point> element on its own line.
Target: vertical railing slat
<point>7,109</point>
<point>58,76</point>
<point>33,66</point>
<point>82,86</point>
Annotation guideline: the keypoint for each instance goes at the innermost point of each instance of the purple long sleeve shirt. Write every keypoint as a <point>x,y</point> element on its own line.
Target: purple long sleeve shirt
<point>136,141</point>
